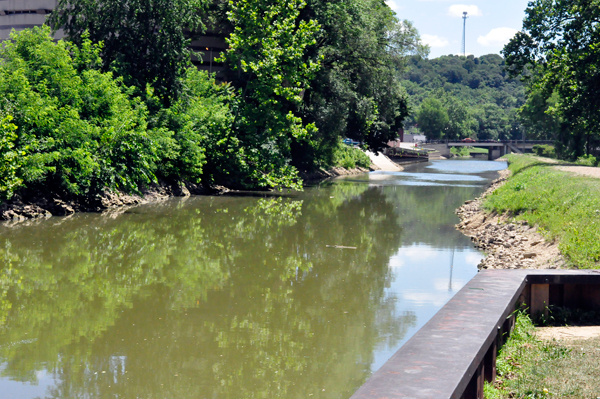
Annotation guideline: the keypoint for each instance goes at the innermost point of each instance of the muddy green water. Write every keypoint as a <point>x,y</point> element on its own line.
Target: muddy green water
<point>234,296</point>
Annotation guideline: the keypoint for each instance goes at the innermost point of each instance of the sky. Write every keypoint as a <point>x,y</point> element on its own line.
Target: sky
<point>490,25</point>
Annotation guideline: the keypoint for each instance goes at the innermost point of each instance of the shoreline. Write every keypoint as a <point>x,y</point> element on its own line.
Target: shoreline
<point>42,206</point>
<point>508,244</point>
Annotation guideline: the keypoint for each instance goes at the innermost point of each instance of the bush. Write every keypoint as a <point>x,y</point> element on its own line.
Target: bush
<point>81,131</point>
<point>544,150</point>
<point>349,157</point>
<point>9,159</point>
<point>78,130</point>
<point>201,120</point>
<point>587,160</point>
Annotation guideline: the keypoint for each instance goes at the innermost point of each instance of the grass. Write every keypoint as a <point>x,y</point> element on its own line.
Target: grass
<point>564,206</point>
<point>530,368</point>
<point>465,151</point>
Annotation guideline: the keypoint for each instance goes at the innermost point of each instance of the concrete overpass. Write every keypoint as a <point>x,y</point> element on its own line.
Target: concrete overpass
<point>496,149</point>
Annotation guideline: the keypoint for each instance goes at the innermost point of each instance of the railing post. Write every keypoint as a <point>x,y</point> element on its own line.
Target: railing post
<point>540,299</point>
<point>475,388</point>
<point>489,362</point>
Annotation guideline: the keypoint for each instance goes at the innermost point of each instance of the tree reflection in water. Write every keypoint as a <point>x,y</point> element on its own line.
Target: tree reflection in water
<point>206,297</point>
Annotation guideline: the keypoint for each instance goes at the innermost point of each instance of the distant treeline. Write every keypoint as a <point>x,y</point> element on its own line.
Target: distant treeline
<point>454,97</point>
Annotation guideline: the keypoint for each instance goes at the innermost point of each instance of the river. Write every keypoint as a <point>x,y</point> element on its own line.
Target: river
<point>291,295</point>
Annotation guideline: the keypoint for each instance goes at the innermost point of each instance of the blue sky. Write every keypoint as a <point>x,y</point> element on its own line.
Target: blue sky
<point>491,23</point>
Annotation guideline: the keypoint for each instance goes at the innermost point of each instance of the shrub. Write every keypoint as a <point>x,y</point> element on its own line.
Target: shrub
<point>78,129</point>
<point>544,150</point>
<point>201,145</point>
<point>587,160</point>
<point>349,157</point>
<point>9,159</point>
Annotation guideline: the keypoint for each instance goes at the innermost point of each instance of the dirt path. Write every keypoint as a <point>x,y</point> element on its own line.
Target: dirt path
<point>567,333</point>
<point>589,171</point>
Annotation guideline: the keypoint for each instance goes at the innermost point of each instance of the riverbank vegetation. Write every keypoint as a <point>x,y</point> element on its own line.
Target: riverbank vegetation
<point>528,367</point>
<point>556,54</point>
<point>566,207</point>
<point>98,113</point>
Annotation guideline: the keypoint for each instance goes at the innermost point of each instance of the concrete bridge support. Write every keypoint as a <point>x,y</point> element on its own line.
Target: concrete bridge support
<point>498,152</point>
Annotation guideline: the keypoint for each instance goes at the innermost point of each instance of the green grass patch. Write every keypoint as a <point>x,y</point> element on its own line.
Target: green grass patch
<point>478,150</point>
<point>565,207</point>
<point>466,151</point>
<point>530,368</point>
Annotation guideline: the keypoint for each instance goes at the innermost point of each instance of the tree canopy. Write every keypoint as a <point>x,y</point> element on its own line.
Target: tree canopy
<point>557,53</point>
<point>144,41</point>
<point>481,100</point>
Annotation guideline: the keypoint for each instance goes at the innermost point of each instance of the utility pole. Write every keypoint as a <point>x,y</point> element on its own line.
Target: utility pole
<point>464,51</point>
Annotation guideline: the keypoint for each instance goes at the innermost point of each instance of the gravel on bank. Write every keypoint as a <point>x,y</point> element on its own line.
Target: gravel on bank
<point>508,244</point>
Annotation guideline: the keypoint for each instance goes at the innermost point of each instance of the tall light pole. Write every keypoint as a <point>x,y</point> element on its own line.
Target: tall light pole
<point>464,50</point>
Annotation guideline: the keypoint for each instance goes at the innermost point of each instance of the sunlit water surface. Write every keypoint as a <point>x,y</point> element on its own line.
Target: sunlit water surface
<point>234,296</point>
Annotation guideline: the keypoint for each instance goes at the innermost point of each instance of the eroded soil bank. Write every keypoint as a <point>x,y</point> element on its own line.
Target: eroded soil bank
<point>508,244</point>
<point>27,205</point>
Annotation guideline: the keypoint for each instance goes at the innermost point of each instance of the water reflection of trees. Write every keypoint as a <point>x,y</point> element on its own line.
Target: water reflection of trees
<point>210,297</point>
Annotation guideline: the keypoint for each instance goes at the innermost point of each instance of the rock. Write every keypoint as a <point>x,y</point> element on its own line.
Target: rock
<point>529,255</point>
<point>61,208</point>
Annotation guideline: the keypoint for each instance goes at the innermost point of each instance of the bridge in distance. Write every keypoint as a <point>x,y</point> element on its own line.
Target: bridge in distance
<point>496,149</point>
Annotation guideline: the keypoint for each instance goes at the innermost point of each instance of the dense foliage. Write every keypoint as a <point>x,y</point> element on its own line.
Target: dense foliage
<point>145,41</point>
<point>118,107</point>
<point>267,53</point>
<point>78,131</point>
<point>357,91</point>
<point>558,53</point>
<point>77,128</point>
<point>455,97</point>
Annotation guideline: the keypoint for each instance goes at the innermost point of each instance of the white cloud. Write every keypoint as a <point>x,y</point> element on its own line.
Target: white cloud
<point>434,41</point>
<point>458,9</point>
<point>393,5</point>
<point>498,36</point>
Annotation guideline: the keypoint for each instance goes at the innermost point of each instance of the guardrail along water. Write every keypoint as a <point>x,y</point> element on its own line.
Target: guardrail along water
<point>289,295</point>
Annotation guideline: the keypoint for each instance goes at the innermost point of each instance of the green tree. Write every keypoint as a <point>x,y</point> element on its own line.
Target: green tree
<point>80,130</point>
<point>470,84</point>
<point>268,54</point>
<point>357,92</point>
<point>538,117</point>
<point>460,122</point>
<point>144,41</point>
<point>9,159</point>
<point>432,118</point>
<point>558,52</point>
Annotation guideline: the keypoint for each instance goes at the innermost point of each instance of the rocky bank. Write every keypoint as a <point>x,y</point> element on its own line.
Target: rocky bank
<point>35,205</point>
<point>323,174</point>
<point>508,244</point>
<point>26,205</point>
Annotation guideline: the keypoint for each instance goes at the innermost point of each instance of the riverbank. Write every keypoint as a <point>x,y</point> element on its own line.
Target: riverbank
<point>33,205</point>
<point>545,215</point>
<point>509,244</point>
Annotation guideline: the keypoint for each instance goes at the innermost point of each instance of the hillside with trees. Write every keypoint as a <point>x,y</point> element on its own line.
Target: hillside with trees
<point>453,97</point>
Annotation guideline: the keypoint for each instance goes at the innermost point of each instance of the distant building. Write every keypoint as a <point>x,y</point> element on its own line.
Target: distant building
<point>414,138</point>
<point>23,14</point>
